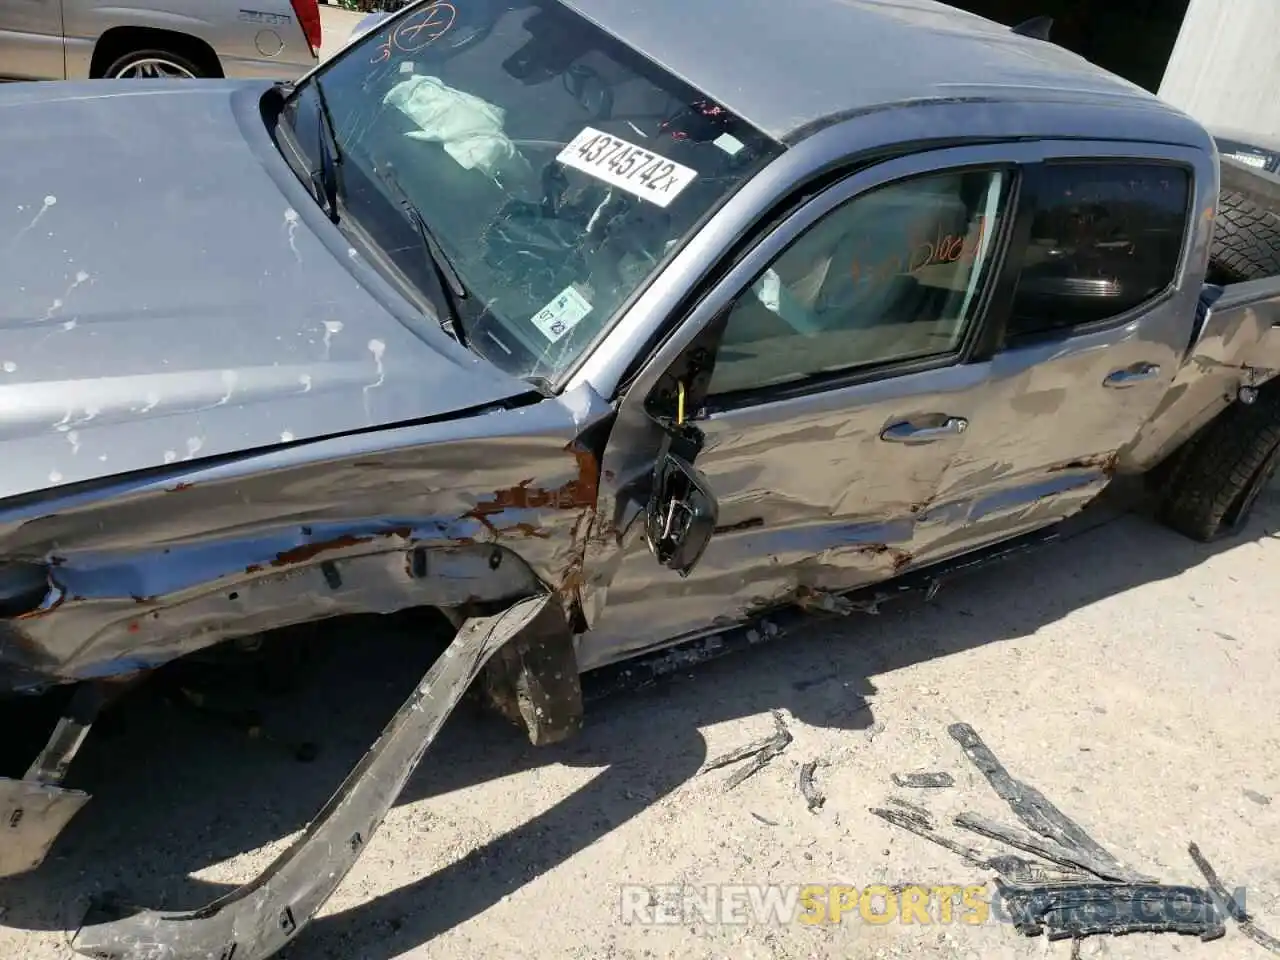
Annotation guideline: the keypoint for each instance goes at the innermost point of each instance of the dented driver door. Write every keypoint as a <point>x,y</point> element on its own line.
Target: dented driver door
<point>831,379</point>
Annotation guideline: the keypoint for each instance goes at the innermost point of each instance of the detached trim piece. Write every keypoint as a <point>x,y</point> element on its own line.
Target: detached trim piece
<point>1078,910</point>
<point>261,917</point>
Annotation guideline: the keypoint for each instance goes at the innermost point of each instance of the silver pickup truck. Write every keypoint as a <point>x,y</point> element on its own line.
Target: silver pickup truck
<point>598,333</point>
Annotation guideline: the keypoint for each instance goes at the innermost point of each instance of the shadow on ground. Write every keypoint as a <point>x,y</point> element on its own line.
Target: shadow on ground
<point>192,794</point>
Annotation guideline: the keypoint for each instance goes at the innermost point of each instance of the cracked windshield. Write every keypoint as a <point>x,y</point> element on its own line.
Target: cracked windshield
<point>546,169</point>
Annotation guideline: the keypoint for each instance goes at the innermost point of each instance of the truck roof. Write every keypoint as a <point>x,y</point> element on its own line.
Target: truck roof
<point>788,65</point>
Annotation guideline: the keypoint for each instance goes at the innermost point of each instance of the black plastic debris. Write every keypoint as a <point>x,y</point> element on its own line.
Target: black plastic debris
<point>813,798</point>
<point>923,781</point>
<point>923,826</point>
<point>1014,869</point>
<point>1079,910</point>
<point>1236,910</point>
<point>1069,857</point>
<point>1034,809</point>
<point>910,807</point>
<point>760,751</point>
<point>1076,888</point>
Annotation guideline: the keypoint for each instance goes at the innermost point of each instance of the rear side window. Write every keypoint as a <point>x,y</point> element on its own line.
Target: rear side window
<point>1105,238</point>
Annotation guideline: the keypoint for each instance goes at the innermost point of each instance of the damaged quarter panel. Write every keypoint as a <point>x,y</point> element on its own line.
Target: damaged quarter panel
<point>479,509</point>
<point>167,300</point>
<point>1237,345</point>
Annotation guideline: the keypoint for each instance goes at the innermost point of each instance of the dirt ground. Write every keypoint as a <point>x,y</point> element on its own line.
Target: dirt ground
<point>1131,675</point>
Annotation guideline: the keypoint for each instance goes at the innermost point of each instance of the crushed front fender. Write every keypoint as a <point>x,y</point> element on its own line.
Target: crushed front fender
<point>263,916</point>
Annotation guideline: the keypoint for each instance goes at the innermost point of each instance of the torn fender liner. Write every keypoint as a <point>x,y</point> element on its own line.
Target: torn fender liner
<point>32,814</point>
<point>261,917</point>
<point>534,683</point>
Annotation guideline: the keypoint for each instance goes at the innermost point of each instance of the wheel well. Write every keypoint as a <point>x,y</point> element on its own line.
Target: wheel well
<point>118,41</point>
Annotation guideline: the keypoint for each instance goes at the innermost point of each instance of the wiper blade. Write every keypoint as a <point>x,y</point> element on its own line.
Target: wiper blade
<point>325,180</point>
<point>446,274</point>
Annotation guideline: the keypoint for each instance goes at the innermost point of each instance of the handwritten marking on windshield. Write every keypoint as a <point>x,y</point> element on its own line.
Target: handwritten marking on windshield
<point>417,32</point>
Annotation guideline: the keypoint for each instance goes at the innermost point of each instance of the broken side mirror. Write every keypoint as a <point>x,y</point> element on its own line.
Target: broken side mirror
<point>681,515</point>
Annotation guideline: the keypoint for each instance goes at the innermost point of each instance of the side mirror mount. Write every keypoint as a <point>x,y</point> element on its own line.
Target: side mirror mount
<point>681,515</point>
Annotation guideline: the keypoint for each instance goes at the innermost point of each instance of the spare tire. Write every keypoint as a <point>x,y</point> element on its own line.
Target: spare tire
<point>1246,237</point>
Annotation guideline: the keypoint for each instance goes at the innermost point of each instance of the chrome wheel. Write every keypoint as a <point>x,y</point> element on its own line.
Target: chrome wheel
<point>153,68</point>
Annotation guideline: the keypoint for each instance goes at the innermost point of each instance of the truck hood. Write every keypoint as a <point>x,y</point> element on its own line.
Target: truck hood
<point>172,293</point>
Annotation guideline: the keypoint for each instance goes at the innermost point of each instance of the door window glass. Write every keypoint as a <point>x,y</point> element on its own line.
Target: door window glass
<point>1105,238</point>
<point>889,276</point>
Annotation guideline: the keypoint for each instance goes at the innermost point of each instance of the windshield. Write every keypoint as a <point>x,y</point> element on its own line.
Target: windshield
<point>552,167</point>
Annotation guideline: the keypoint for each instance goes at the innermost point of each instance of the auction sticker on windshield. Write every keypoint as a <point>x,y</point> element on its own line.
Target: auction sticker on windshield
<point>627,166</point>
<point>562,314</point>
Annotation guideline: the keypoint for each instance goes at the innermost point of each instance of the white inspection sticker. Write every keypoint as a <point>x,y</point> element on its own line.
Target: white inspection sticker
<point>627,166</point>
<point>562,314</point>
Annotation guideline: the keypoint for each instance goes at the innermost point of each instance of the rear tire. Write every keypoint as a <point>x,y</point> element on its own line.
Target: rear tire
<point>1221,472</point>
<point>1246,241</point>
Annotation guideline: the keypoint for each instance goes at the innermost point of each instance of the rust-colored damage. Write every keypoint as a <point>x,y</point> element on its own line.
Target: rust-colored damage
<point>1106,462</point>
<point>573,580</point>
<point>180,486</point>
<point>899,556</point>
<point>525,530</point>
<point>580,492</point>
<point>577,494</point>
<point>309,551</point>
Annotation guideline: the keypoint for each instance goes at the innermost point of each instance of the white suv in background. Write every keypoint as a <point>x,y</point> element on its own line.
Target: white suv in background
<point>83,39</point>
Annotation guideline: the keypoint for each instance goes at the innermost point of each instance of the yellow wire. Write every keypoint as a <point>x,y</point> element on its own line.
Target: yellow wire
<point>680,403</point>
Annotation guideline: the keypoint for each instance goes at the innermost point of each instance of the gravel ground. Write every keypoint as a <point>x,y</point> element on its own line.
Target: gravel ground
<point>1129,674</point>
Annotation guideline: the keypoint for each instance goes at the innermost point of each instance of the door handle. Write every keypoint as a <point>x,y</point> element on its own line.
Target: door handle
<point>1138,372</point>
<point>908,432</point>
